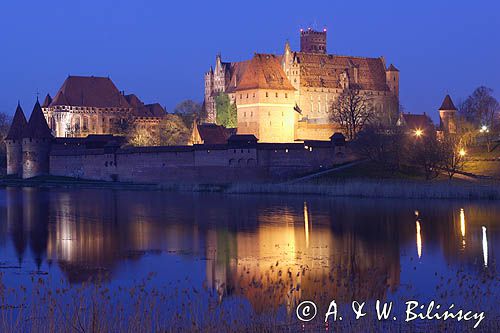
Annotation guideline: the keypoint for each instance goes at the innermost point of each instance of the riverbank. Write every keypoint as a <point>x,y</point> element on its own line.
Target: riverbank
<point>339,187</point>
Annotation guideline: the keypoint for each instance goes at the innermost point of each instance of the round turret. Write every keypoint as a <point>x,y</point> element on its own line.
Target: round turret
<point>37,139</point>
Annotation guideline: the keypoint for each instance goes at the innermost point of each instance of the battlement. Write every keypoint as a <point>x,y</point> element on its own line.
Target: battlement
<point>313,41</point>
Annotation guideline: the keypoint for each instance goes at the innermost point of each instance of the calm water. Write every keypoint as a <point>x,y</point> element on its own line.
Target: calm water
<point>261,254</point>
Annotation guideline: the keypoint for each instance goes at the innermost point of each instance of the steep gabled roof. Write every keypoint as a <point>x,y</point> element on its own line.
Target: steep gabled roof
<point>18,125</point>
<point>47,101</point>
<point>89,91</point>
<point>447,104</point>
<point>264,72</point>
<point>37,127</point>
<point>133,100</point>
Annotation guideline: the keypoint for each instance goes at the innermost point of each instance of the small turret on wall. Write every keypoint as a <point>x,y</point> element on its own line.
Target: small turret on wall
<point>14,145</point>
<point>37,140</point>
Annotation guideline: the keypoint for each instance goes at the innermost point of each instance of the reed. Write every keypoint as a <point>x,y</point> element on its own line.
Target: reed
<point>379,189</point>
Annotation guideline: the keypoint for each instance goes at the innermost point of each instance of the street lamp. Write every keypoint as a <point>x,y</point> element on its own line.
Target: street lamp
<point>484,129</point>
<point>462,152</point>
<point>418,132</point>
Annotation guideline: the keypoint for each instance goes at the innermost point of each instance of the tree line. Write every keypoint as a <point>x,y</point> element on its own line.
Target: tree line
<point>382,141</point>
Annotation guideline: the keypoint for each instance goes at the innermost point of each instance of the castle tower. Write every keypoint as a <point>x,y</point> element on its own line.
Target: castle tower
<point>37,139</point>
<point>13,142</point>
<point>312,41</point>
<point>447,116</point>
<point>209,100</point>
<point>392,79</point>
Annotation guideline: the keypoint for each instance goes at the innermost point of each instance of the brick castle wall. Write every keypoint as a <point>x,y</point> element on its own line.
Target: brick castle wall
<point>204,164</point>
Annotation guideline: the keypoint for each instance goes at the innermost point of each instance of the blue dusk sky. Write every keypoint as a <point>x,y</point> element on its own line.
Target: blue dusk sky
<point>160,49</point>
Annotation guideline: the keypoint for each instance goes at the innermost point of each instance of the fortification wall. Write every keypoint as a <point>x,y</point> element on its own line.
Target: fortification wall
<point>184,165</point>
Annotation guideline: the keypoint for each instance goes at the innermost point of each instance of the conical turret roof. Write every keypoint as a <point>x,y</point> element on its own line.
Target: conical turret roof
<point>47,101</point>
<point>447,104</point>
<point>37,125</point>
<point>392,68</point>
<point>18,125</point>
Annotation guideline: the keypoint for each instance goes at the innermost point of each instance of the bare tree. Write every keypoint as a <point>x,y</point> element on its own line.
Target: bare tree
<point>382,145</point>
<point>482,110</point>
<point>426,153</point>
<point>453,154</point>
<point>351,111</point>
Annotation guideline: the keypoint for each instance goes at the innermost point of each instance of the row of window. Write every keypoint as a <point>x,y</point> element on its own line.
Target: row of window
<point>267,95</point>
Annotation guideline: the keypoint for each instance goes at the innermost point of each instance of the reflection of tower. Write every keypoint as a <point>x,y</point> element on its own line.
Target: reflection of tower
<point>36,219</point>
<point>14,203</point>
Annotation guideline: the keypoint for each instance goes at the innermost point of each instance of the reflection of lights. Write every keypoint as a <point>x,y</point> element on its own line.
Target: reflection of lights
<point>419,241</point>
<point>306,223</point>
<point>462,226</point>
<point>485,247</point>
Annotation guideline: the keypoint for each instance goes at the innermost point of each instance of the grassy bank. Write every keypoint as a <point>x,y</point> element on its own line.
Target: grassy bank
<point>380,189</point>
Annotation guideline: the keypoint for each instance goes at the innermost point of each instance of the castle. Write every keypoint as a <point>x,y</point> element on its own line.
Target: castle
<point>93,105</point>
<point>286,97</point>
<point>32,150</point>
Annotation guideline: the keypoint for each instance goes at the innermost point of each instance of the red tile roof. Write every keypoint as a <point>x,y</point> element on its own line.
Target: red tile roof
<point>323,70</point>
<point>37,125</point>
<point>447,104</point>
<point>264,72</point>
<point>214,134</point>
<point>18,125</point>
<point>90,91</point>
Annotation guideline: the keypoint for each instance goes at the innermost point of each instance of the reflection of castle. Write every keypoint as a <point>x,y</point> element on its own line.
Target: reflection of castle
<point>288,259</point>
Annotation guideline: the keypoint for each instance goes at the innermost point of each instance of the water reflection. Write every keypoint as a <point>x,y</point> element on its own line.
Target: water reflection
<point>485,247</point>
<point>462,226</point>
<point>419,240</point>
<point>262,249</point>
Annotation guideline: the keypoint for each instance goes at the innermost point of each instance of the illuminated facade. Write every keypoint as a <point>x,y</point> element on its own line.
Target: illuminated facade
<point>299,87</point>
<point>93,105</point>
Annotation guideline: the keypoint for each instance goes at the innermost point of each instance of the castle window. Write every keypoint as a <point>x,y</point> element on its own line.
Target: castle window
<point>247,95</point>
<point>241,96</point>
<point>276,94</point>
<point>286,95</point>
<point>267,95</point>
